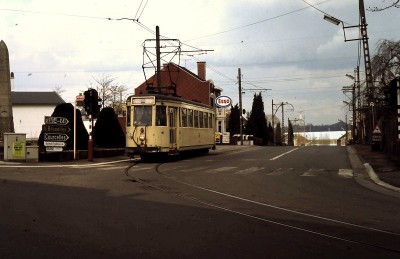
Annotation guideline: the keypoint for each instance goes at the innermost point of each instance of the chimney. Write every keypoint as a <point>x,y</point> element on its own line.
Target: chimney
<point>201,70</point>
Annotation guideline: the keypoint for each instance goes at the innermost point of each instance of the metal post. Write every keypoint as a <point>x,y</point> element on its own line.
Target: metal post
<point>240,105</point>
<point>273,126</point>
<point>283,124</point>
<point>158,54</point>
<point>75,130</point>
<point>90,141</point>
<point>398,117</point>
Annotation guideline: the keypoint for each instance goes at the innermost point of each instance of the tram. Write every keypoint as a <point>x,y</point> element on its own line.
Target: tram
<point>161,124</point>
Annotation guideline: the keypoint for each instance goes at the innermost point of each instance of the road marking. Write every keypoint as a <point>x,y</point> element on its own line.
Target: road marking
<point>249,170</point>
<point>346,173</point>
<point>107,168</point>
<point>281,155</point>
<point>313,172</point>
<point>191,169</point>
<point>280,171</point>
<point>61,165</point>
<point>221,169</point>
<point>274,207</point>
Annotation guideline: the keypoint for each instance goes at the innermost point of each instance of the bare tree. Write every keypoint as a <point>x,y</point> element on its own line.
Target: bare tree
<point>110,92</point>
<point>389,5</point>
<point>386,62</point>
<point>58,89</point>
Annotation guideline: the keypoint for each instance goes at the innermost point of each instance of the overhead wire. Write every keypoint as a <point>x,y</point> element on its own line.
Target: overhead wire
<point>257,22</point>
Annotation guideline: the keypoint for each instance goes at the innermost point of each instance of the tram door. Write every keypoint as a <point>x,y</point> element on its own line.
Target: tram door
<point>172,126</point>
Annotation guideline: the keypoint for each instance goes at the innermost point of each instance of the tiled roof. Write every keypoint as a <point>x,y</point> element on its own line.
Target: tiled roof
<point>36,98</point>
<point>187,84</point>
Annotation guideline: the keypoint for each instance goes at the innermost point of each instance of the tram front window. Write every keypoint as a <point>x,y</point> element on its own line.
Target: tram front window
<point>142,115</point>
<point>161,116</point>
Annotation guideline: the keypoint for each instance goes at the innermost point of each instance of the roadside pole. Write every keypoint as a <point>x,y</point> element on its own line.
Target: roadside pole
<point>90,141</point>
<point>240,106</point>
<point>75,130</point>
<point>398,116</point>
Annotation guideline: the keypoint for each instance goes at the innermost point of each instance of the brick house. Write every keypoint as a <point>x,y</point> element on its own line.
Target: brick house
<point>179,81</point>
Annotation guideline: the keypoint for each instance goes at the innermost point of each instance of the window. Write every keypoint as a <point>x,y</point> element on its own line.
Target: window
<point>190,118</point>
<point>142,115</point>
<point>161,116</point>
<point>196,119</point>
<point>128,116</point>
<point>206,120</point>
<point>201,120</point>
<point>210,120</point>
<point>184,122</point>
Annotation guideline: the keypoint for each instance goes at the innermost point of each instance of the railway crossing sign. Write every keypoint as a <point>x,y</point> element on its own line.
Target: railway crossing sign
<point>55,120</point>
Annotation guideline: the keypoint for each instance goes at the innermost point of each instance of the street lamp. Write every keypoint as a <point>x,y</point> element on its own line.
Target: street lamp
<point>332,19</point>
<point>363,36</point>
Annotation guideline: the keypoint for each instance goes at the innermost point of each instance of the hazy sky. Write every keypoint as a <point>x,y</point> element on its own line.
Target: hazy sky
<point>282,45</point>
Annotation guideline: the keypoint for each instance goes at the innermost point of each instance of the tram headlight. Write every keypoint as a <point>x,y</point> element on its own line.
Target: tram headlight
<point>141,136</point>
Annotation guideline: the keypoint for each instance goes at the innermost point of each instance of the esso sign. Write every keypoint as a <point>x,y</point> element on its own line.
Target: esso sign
<point>223,101</point>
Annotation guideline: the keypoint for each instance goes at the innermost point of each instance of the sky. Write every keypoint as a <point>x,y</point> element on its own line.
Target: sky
<point>283,46</point>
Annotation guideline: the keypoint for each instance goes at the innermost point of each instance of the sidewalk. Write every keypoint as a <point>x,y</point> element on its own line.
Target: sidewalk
<point>386,168</point>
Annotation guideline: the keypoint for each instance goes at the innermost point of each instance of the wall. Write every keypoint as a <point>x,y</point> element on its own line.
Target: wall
<point>29,119</point>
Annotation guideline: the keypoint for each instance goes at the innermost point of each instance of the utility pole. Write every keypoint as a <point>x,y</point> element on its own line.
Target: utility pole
<point>158,57</point>
<point>240,105</point>
<point>283,122</point>
<point>273,126</point>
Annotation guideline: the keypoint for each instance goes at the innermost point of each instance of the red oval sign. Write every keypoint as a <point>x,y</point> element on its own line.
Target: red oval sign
<point>223,101</point>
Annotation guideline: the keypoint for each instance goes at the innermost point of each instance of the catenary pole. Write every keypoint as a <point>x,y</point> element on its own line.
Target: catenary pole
<point>240,105</point>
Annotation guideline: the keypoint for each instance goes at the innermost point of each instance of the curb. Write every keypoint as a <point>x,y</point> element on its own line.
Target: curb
<point>375,178</point>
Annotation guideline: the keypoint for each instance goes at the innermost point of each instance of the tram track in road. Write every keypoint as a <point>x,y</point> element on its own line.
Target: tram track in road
<point>251,209</point>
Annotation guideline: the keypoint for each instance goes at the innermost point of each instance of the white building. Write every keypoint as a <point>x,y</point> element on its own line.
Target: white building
<point>29,110</point>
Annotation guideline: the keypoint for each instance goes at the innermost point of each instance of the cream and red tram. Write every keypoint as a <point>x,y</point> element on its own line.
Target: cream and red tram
<point>168,124</point>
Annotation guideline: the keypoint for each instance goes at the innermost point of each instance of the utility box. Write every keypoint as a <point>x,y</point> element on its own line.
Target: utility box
<point>14,146</point>
<point>32,153</point>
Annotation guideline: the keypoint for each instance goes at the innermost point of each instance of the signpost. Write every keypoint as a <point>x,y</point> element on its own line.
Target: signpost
<point>54,144</point>
<point>55,137</point>
<point>55,120</point>
<point>55,133</point>
<point>376,138</point>
<point>52,128</point>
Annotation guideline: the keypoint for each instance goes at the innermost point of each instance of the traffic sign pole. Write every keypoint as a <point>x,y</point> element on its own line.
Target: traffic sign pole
<point>90,141</point>
<point>75,130</point>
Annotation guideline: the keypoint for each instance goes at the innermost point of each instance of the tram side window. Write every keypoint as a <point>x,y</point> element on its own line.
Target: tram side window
<point>211,119</point>
<point>142,115</point>
<point>161,116</point>
<point>196,119</point>
<point>190,118</point>
<point>201,120</point>
<point>205,120</point>
<point>128,116</point>
<point>184,117</point>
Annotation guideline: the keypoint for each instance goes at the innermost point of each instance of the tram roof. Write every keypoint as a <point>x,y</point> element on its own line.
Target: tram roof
<point>172,98</point>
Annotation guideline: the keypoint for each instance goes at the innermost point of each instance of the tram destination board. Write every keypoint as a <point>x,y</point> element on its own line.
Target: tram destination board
<point>55,120</point>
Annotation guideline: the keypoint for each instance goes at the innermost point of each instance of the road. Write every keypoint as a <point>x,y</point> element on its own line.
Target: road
<point>259,202</point>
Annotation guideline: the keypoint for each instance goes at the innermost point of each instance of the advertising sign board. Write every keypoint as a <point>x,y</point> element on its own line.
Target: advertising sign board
<point>223,101</point>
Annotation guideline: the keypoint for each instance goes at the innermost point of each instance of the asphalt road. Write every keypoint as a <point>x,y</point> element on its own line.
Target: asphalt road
<point>259,202</point>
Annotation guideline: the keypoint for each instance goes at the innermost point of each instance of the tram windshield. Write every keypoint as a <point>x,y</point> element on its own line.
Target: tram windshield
<point>142,115</point>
